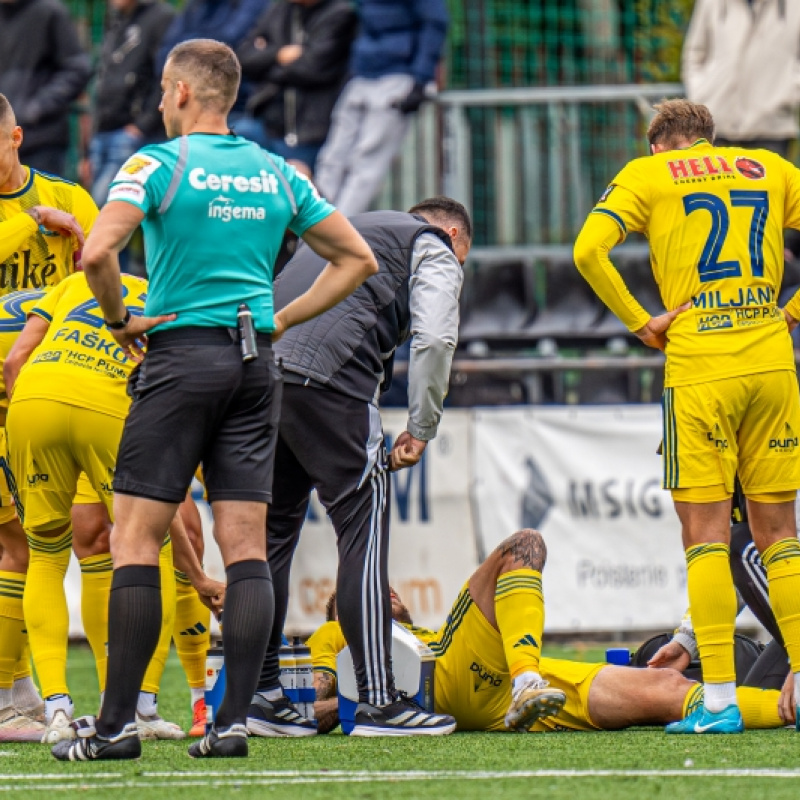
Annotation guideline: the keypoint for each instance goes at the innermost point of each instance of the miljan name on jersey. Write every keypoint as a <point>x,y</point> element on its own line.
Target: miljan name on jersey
<point>760,296</point>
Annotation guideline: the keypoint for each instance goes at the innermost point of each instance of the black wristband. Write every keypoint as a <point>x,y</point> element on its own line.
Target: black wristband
<point>119,324</point>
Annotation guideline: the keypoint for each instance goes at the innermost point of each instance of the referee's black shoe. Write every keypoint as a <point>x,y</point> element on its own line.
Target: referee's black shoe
<point>227,743</point>
<point>91,746</point>
<point>403,717</point>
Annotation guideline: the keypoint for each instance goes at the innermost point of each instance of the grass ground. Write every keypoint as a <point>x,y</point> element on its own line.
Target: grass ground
<point>572,766</point>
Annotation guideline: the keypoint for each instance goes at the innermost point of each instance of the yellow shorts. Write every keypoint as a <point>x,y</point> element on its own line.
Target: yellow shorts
<point>85,495</point>
<point>748,424</point>
<point>49,445</point>
<point>7,510</point>
<point>472,682</point>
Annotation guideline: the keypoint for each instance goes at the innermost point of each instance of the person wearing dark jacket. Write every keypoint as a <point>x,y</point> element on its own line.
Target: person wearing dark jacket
<point>128,90</point>
<point>330,438</point>
<point>394,58</point>
<point>297,59</point>
<point>226,21</point>
<point>43,68</point>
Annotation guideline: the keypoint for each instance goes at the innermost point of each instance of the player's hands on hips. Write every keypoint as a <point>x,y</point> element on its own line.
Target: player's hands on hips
<point>654,334</point>
<point>673,655</point>
<point>791,322</point>
<point>132,338</point>
<point>786,701</point>
<point>406,451</point>
<point>211,594</point>
<point>279,327</point>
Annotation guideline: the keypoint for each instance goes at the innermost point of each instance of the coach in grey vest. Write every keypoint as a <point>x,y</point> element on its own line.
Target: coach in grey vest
<point>331,440</point>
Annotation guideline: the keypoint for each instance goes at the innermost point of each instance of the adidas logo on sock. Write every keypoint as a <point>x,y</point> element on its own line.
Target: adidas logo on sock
<point>527,641</point>
<point>196,630</point>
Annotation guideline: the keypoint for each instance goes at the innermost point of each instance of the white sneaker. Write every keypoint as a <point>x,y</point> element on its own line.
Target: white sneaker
<point>531,701</point>
<point>16,726</point>
<point>155,727</point>
<point>59,729</point>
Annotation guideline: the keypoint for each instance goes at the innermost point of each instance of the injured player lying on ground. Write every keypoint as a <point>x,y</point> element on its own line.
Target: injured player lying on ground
<point>490,675</point>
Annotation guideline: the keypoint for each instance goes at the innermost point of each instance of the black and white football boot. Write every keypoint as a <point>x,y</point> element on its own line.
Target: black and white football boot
<point>279,717</point>
<point>89,745</point>
<point>230,742</point>
<point>403,717</point>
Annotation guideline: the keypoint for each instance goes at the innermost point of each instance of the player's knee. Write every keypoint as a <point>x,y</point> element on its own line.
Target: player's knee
<point>524,549</point>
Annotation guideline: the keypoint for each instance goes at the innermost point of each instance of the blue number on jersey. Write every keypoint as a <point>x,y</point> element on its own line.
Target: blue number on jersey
<point>12,307</point>
<point>709,267</point>
<point>83,312</point>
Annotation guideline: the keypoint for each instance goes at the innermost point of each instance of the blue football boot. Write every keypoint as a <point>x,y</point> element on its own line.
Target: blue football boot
<point>729,720</point>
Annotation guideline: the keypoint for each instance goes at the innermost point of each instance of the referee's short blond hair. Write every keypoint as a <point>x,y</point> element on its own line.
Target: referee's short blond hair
<point>679,120</point>
<point>210,68</point>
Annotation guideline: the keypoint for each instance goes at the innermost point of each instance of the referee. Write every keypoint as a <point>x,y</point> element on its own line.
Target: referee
<point>214,209</point>
<point>331,439</point>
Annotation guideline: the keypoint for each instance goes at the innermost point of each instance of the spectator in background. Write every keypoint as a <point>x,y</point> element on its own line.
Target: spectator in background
<point>43,68</point>
<point>394,58</point>
<point>226,21</point>
<point>741,59</point>
<point>296,58</point>
<point>128,88</point>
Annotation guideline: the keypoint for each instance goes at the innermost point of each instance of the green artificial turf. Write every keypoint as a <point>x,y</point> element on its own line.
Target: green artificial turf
<point>463,766</point>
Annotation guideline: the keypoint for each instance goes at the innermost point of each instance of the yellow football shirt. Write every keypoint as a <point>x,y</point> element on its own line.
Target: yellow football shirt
<point>79,362</point>
<point>714,218</point>
<point>31,258</point>
<point>14,310</point>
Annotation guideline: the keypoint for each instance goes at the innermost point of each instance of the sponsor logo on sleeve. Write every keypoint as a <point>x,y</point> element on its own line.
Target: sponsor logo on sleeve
<point>138,168</point>
<point>127,191</point>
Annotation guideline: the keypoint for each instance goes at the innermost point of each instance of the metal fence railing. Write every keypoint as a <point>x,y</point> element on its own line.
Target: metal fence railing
<point>529,162</point>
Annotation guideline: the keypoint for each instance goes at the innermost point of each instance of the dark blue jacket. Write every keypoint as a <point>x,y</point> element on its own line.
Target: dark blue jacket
<point>399,37</point>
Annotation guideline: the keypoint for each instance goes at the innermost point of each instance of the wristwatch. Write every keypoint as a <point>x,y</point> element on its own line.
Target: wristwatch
<point>119,324</point>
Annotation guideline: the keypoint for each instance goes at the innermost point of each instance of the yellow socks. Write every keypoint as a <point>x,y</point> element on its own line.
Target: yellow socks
<point>519,609</point>
<point>96,574</point>
<point>13,638</point>
<point>191,632</point>
<point>782,561</point>
<point>45,604</point>
<point>712,601</point>
<point>155,669</point>
<point>759,707</point>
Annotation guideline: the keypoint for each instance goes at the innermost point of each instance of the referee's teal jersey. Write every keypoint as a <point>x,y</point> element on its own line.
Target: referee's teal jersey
<point>216,208</point>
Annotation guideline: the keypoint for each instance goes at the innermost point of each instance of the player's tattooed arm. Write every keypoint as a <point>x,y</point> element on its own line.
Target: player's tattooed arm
<point>326,706</point>
<point>525,549</point>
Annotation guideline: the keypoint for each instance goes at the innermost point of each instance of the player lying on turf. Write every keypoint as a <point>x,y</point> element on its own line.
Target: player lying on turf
<point>490,677</point>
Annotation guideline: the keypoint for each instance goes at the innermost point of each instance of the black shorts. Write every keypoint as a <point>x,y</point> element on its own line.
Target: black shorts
<point>195,401</point>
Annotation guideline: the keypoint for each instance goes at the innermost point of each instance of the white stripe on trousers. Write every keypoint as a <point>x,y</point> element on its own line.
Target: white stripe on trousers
<point>755,569</point>
<point>375,657</point>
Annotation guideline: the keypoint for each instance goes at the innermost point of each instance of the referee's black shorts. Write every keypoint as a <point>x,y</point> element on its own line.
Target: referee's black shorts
<point>195,401</point>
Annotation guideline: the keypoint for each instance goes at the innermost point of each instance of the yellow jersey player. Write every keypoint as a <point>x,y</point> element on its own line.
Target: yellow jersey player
<point>18,712</point>
<point>491,626</point>
<point>43,218</point>
<point>714,218</point>
<point>68,407</point>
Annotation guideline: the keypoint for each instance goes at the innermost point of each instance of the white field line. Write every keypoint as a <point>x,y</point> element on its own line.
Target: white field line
<point>154,780</point>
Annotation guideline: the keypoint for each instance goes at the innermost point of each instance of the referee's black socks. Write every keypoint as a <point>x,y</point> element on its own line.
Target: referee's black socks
<point>134,625</point>
<point>249,609</point>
